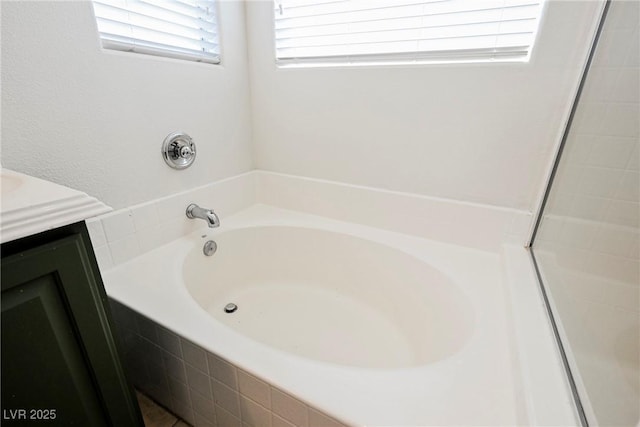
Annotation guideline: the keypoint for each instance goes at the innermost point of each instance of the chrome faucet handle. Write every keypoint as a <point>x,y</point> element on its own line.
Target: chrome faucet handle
<point>185,152</point>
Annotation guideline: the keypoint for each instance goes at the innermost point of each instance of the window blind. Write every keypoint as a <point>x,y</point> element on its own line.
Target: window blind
<point>183,29</point>
<point>404,30</point>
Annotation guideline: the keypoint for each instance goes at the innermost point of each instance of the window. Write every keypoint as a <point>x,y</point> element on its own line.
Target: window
<point>184,29</point>
<point>353,31</point>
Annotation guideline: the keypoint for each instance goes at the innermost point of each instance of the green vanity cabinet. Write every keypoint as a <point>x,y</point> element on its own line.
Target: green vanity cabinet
<point>60,361</point>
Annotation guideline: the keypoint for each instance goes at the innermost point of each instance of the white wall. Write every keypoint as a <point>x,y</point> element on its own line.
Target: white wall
<point>95,120</point>
<point>483,133</point>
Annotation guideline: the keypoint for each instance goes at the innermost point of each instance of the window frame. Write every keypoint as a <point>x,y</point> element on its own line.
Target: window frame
<point>154,49</point>
<point>456,56</point>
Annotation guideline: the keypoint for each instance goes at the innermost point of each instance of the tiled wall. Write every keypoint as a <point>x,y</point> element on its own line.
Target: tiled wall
<point>588,247</point>
<point>200,387</point>
<point>467,224</point>
<point>126,233</point>
<point>592,219</point>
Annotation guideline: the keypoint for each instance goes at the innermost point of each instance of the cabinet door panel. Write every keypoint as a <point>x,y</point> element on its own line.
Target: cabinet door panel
<point>42,363</point>
<point>54,304</point>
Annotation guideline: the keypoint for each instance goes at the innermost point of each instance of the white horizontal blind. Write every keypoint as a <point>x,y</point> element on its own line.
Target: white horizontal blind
<point>344,31</point>
<point>184,29</point>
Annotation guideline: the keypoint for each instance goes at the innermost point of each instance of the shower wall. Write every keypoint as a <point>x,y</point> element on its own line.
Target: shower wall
<point>588,244</point>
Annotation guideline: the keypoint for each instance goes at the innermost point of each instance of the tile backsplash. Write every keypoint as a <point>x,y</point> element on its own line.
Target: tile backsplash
<point>592,218</point>
<point>124,234</point>
<point>588,245</point>
<point>200,387</point>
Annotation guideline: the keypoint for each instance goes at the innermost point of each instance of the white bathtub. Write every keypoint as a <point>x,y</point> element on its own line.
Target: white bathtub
<point>330,296</point>
<point>370,326</point>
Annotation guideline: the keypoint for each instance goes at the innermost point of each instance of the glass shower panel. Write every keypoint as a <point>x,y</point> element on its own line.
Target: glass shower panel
<point>588,242</point>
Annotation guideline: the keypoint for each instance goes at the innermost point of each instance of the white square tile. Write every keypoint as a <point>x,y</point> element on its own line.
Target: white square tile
<point>226,418</point>
<point>629,188</point>
<point>578,234</point>
<point>179,391</point>
<point>203,406</point>
<point>401,212</point>
<point>150,352</point>
<point>169,341</point>
<point>178,227</point>
<point>289,408</point>
<point>520,225</point>
<point>600,182</point>
<point>613,47</point>
<point>160,395</point>
<point>145,216</point>
<point>194,355</point>
<point>318,419</point>
<point>103,256</point>
<point>623,213</point>
<point>184,411</point>
<point>600,85</point>
<point>550,229</point>
<point>624,15</point>
<point>151,238</point>
<point>174,367</point>
<point>277,421</point>
<point>612,267</point>
<point>198,381</point>
<point>254,414</point>
<point>613,240</point>
<point>174,206</point>
<point>633,58</point>
<point>118,225</point>
<point>634,159</point>
<point>203,421</point>
<point>560,203</point>
<point>611,152</point>
<point>569,179</point>
<point>124,249</point>
<point>230,195</point>
<point>634,250</point>
<point>222,371</point>
<point>96,233</point>
<point>588,118</point>
<point>147,328</point>
<point>627,88</point>
<point>226,397</point>
<point>588,207</point>
<point>157,376</point>
<point>255,389</point>
<point>622,120</point>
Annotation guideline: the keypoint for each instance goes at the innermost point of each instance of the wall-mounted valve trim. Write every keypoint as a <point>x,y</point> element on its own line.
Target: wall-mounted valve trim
<point>178,150</point>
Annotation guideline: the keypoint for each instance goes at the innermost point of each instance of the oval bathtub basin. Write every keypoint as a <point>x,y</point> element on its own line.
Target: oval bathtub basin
<point>330,296</point>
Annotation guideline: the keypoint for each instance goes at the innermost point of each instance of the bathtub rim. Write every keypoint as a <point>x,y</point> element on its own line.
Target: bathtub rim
<point>140,304</point>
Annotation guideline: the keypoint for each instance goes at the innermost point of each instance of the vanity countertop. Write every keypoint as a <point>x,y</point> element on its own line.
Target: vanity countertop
<point>31,205</point>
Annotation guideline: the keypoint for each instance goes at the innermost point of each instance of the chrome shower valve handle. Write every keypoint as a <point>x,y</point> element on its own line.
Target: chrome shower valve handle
<point>178,150</point>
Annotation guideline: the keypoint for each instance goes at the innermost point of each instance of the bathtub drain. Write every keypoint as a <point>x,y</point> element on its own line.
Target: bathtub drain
<point>210,248</point>
<point>230,308</point>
